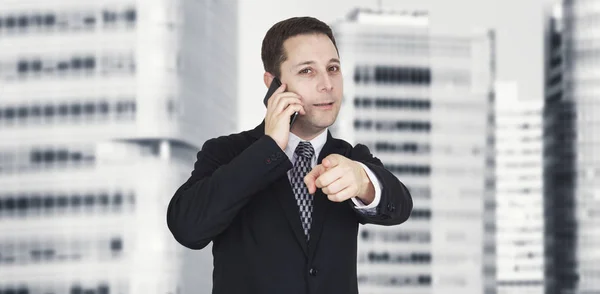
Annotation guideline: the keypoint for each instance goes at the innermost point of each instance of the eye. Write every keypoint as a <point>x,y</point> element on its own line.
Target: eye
<point>334,68</point>
<point>304,71</point>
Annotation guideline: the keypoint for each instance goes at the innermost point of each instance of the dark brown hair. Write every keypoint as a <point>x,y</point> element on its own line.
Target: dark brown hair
<point>272,51</point>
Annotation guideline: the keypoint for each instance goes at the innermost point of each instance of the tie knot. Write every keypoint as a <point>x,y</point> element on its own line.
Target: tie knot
<point>305,149</point>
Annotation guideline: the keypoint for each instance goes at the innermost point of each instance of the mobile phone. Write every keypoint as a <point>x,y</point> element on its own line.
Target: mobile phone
<point>274,86</point>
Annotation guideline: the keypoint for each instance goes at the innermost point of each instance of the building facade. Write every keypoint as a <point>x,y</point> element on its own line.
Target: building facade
<point>519,199</point>
<point>103,106</point>
<point>571,168</point>
<point>423,103</point>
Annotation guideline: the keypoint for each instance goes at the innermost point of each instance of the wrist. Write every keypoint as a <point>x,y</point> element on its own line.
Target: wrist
<point>367,192</point>
<point>281,145</point>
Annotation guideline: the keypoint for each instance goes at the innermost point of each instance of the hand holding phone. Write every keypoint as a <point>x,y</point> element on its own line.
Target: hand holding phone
<point>282,109</point>
<point>274,86</point>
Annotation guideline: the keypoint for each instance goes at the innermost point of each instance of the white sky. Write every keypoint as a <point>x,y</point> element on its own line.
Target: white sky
<point>518,25</point>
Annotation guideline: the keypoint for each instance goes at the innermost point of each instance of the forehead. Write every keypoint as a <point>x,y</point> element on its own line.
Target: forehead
<point>309,47</point>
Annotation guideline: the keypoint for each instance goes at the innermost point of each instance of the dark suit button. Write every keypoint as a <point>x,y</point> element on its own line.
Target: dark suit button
<point>313,272</point>
<point>391,207</point>
<point>268,160</point>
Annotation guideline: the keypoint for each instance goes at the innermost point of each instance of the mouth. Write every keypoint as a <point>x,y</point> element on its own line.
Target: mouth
<point>324,104</point>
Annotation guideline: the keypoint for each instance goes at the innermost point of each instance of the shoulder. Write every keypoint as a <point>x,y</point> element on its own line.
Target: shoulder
<point>230,141</point>
<point>226,147</point>
<point>358,150</point>
<point>341,143</point>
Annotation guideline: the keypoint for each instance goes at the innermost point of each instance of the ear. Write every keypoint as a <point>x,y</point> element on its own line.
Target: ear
<point>268,79</point>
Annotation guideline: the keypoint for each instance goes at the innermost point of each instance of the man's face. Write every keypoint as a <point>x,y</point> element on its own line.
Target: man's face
<point>312,70</point>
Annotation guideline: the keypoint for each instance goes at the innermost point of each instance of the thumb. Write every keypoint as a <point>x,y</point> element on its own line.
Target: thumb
<point>311,178</point>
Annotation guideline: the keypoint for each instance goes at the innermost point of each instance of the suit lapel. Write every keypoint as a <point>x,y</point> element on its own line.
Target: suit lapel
<point>283,191</point>
<point>321,203</point>
<point>286,198</point>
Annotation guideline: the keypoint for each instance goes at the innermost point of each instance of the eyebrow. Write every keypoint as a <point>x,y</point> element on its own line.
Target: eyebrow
<point>312,62</point>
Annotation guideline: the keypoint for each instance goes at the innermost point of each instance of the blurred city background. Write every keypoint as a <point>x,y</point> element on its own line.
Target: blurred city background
<point>485,109</point>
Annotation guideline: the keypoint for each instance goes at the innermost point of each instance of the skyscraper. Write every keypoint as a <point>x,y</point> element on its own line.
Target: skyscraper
<point>571,148</point>
<point>103,106</point>
<point>423,103</point>
<point>519,201</point>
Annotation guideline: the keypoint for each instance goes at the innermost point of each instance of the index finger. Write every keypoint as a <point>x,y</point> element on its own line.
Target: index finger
<point>331,160</point>
<point>312,176</point>
<point>279,90</point>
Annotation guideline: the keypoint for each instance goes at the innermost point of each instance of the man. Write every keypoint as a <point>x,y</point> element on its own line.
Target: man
<point>282,207</point>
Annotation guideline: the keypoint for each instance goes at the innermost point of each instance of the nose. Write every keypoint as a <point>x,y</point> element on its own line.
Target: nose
<point>325,84</point>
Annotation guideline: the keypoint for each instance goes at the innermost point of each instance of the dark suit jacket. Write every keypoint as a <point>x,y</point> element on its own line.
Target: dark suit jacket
<point>239,197</point>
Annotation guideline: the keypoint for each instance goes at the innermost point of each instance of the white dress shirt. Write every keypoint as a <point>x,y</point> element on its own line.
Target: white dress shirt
<point>318,143</point>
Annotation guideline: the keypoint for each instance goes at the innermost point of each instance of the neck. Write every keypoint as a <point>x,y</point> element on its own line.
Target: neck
<point>305,134</point>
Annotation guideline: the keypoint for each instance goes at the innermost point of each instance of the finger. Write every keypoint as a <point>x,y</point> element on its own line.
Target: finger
<point>310,178</point>
<point>337,186</point>
<point>294,108</point>
<point>275,99</point>
<point>279,90</point>
<point>343,195</point>
<point>287,99</point>
<point>331,160</point>
<point>329,176</point>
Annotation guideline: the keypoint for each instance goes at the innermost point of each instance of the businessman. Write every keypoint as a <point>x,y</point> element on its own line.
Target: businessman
<point>282,207</point>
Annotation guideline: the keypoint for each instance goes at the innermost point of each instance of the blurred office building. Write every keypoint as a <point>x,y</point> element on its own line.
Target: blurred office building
<point>423,103</point>
<point>103,106</point>
<point>572,148</point>
<point>519,201</point>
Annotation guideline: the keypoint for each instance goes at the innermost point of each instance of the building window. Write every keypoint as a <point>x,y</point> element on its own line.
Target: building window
<point>392,103</point>
<point>407,147</point>
<point>40,159</point>
<point>521,283</point>
<point>109,16</point>
<point>394,237</point>
<point>116,245</point>
<point>421,214</point>
<point>102,288</point>
<point>73,111</point>
<point>414,126</point>
<point>399,258</point>
<point>17,290</point>
<point>388,280</point>
<point>67,21</point>
<point>407,169</point>
<point>10,22</point>
<point>49,250</point>
<point>130,15</point>
<point>61,66</point>
<point>32,204</point>
<point>392,75</point>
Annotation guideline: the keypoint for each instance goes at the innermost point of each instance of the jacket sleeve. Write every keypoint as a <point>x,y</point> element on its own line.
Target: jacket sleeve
<point>395,205</point>
<point>220,185</point>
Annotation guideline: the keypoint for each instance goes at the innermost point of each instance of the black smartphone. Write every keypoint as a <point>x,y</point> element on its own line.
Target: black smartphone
<point>274,86</point>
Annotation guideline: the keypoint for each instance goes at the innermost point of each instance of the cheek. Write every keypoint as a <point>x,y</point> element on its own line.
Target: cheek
<point>338,84</point>
<point>338,80</point>
<point>298,86</point>
<point>306,94</point>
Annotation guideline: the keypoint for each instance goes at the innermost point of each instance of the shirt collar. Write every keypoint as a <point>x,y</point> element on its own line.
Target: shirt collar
<point>318,142</point>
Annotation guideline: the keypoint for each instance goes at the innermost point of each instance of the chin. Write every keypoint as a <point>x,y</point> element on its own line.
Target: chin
<point>324,123</point>
<point>319,122</point>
